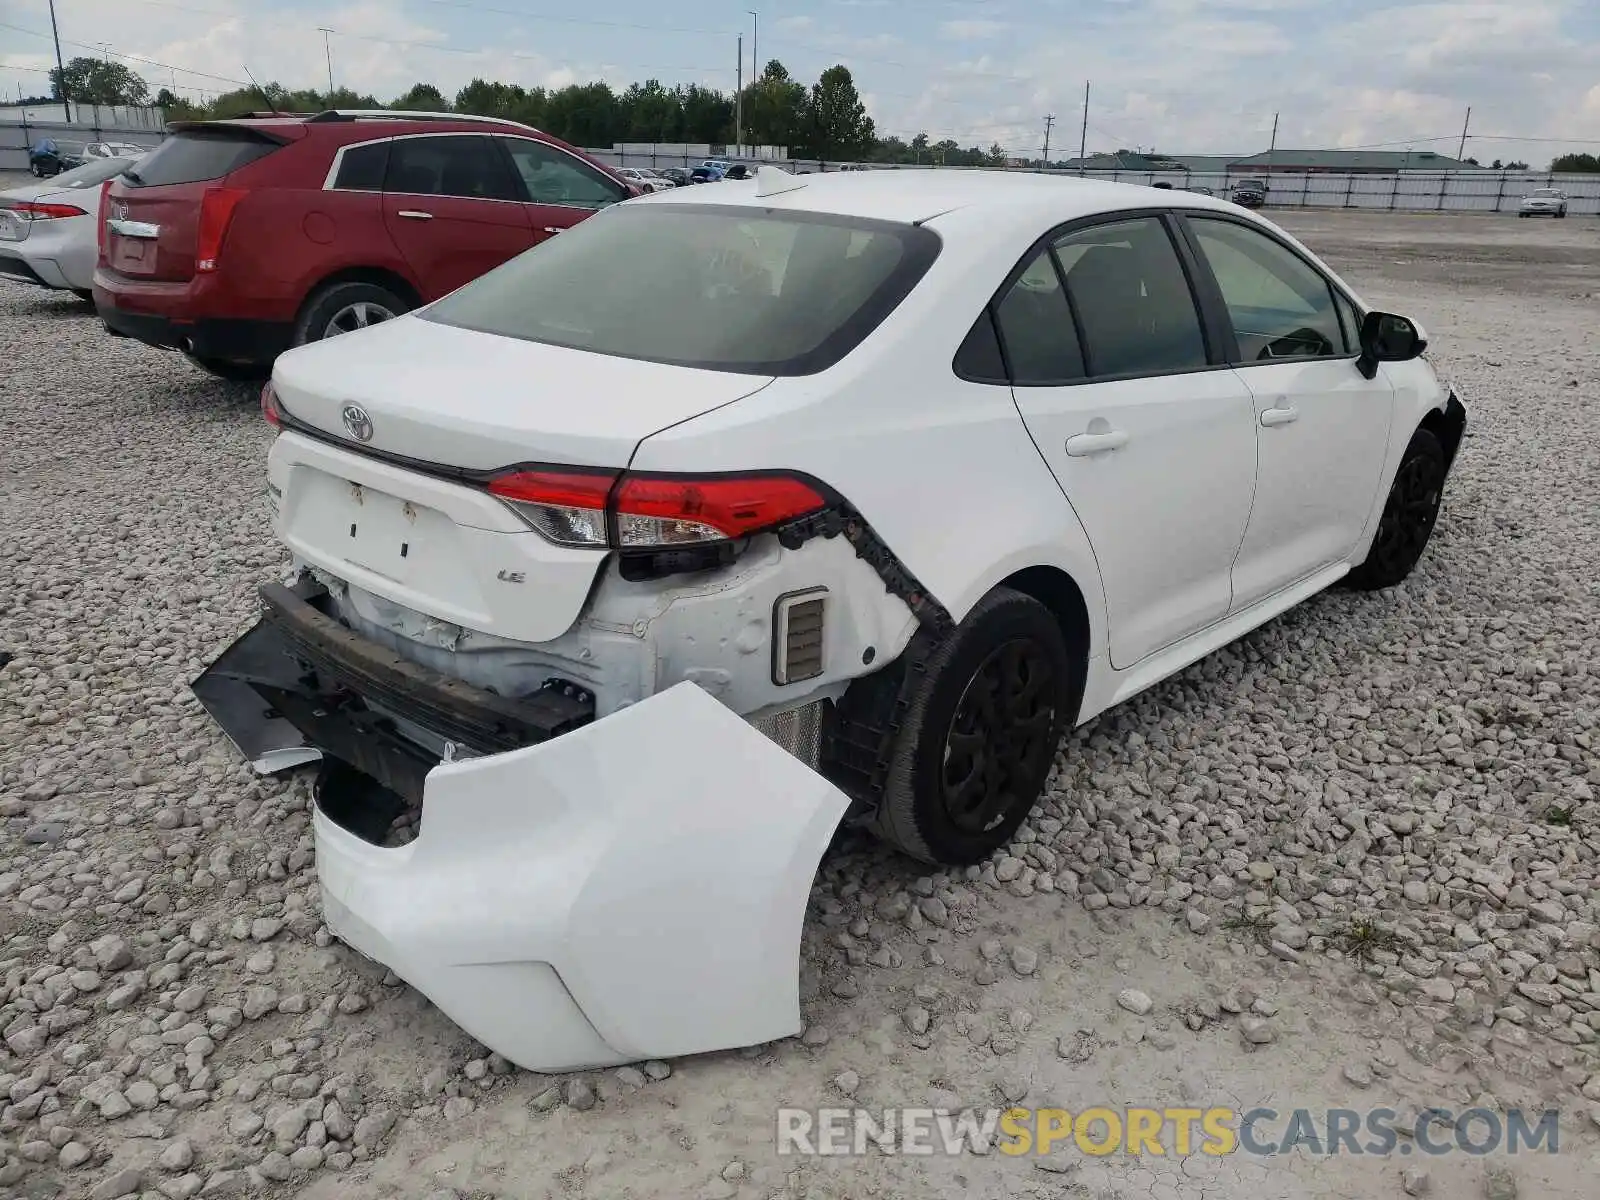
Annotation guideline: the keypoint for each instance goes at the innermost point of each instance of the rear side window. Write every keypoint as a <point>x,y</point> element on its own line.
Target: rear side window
<point>361,168</point>
<point>1132,299</point>
<point>1041,342</point>
<point>195,155</point>
<point>718,287</point>
<point>979,358</point>
<point>471,167</point>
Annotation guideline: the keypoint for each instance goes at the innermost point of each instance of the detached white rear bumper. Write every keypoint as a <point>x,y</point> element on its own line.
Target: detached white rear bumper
<point>633,889</point>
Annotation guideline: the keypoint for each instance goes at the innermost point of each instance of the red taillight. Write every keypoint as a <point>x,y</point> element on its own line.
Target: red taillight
<point>216,212</point>
<point>572,508</point>
<point>668,511</point>
<point>568,507</point>
<point>104,234</point>
<point>269,406</point>
<point>31,210</point>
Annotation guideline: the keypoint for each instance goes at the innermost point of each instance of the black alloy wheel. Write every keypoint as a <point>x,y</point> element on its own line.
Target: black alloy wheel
<point>1409,515</point>
<point>1001,736</point>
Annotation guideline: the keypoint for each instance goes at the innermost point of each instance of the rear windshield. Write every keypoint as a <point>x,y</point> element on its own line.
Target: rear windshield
<point>92,173</point>
<point>717,287</point>
<point>200,154</point>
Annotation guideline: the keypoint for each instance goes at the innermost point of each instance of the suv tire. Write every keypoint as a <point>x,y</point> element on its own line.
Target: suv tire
<point>980,733</point>
<point>342,307</point>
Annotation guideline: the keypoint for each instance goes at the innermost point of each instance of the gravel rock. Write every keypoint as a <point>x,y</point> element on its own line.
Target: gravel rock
<point>179,1156</point>
<point>1135,1001</point>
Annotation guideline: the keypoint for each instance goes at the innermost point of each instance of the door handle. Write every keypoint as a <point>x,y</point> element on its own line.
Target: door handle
<point>1084,444</point>
<point>554,228</point>
<point>415,214</point>
<point>1287,415</point>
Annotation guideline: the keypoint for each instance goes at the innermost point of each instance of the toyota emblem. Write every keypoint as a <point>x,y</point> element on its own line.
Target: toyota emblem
<point>357,422</point>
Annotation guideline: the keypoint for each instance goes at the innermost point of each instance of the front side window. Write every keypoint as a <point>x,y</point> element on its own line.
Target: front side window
<point>552,176</point>
<point>715,287</point>
<point>469,167</point>
<point>1134,308</point>
<point>1279,305</point>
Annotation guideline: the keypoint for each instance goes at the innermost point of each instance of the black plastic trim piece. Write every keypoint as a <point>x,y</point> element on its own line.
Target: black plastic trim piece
<point>342,661</point>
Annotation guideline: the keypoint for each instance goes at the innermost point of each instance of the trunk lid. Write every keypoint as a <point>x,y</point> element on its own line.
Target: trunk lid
<point>158,204</point>
<point>476,401</point>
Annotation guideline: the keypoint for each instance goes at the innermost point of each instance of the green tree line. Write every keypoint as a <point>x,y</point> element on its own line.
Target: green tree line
<point>825,120</point>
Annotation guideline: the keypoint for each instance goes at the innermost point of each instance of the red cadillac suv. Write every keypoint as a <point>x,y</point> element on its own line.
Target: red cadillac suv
<point>237,239</point>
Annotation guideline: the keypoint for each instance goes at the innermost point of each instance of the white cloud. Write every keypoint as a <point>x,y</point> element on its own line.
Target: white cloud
<point>962,31</point>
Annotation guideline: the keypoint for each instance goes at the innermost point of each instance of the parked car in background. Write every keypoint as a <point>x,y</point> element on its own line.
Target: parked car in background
<point>48,231</point>
<point>1250,193</point>
<point>643,179</point>
<point>237,239</point>
<point>1543,202</point>
<point>1198,190</point>
<point>113,150</point>
<point>737,171</point>
<point>705,173</point>
<point>677,176</point>
<point>587,555</point>
<point>48,157</point>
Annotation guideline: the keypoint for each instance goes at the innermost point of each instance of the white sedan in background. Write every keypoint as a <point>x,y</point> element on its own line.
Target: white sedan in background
<point>49,231</point>
<point>647,180</point>
<point>1543,202</point>
<point>626,572</point>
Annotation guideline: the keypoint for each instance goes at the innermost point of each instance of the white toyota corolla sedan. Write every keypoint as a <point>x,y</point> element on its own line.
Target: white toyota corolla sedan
<point>626,572</point>
<point>48,231</point>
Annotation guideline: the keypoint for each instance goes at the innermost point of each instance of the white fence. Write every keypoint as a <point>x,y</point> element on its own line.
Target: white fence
<point>1411,191</point>
<point>17,136</point>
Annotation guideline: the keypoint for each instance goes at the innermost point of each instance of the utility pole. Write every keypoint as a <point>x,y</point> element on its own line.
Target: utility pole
<point>1083,136</point>
<point>755,63</point>
<point>1461,152</point>
<point>327,55</point>
<point>738,100</point>
<point>61,69</point>
<point>1272,148</point>
<point>1049,120</point>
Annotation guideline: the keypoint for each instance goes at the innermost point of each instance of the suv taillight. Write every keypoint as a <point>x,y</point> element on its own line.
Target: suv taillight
<point>216,213</point>
<point>602,510</point>
<point>104,235</point>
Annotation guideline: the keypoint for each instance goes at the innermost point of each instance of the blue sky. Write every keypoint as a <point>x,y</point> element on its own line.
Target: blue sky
<point>1201,76</point>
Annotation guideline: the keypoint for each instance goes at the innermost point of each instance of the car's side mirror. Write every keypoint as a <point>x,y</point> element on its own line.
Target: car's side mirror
<point>1386,337</point>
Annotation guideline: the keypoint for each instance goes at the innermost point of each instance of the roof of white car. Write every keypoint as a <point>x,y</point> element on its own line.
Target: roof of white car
<point>917,195</point>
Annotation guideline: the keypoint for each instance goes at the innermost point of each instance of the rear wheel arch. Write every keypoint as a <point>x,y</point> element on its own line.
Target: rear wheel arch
<point>1060,593</point>
<point>383,277</point>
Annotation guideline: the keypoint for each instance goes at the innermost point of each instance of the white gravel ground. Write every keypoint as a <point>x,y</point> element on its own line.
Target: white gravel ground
<point>1350,861</point>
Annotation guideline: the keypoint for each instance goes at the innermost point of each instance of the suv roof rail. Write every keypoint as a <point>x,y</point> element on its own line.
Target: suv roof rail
<point>397,114</point>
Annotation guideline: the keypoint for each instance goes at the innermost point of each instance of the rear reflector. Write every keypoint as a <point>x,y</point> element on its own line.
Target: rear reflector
<point>643,512</point>
<point>216,213</point>
<point>797,632</point>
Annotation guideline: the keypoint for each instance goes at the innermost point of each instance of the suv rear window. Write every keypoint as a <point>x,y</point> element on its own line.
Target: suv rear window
<point>716,287</point>
<point>194,155</point>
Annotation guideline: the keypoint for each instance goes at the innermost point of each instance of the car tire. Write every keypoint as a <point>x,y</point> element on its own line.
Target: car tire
<point>1561,214</point>
<point>979,734</point>
<point>343,304</point>
<point>1410,512</point>
<point>233,372</point>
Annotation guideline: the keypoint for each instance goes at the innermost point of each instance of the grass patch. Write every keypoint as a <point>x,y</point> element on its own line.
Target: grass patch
<point>1364,940</point>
